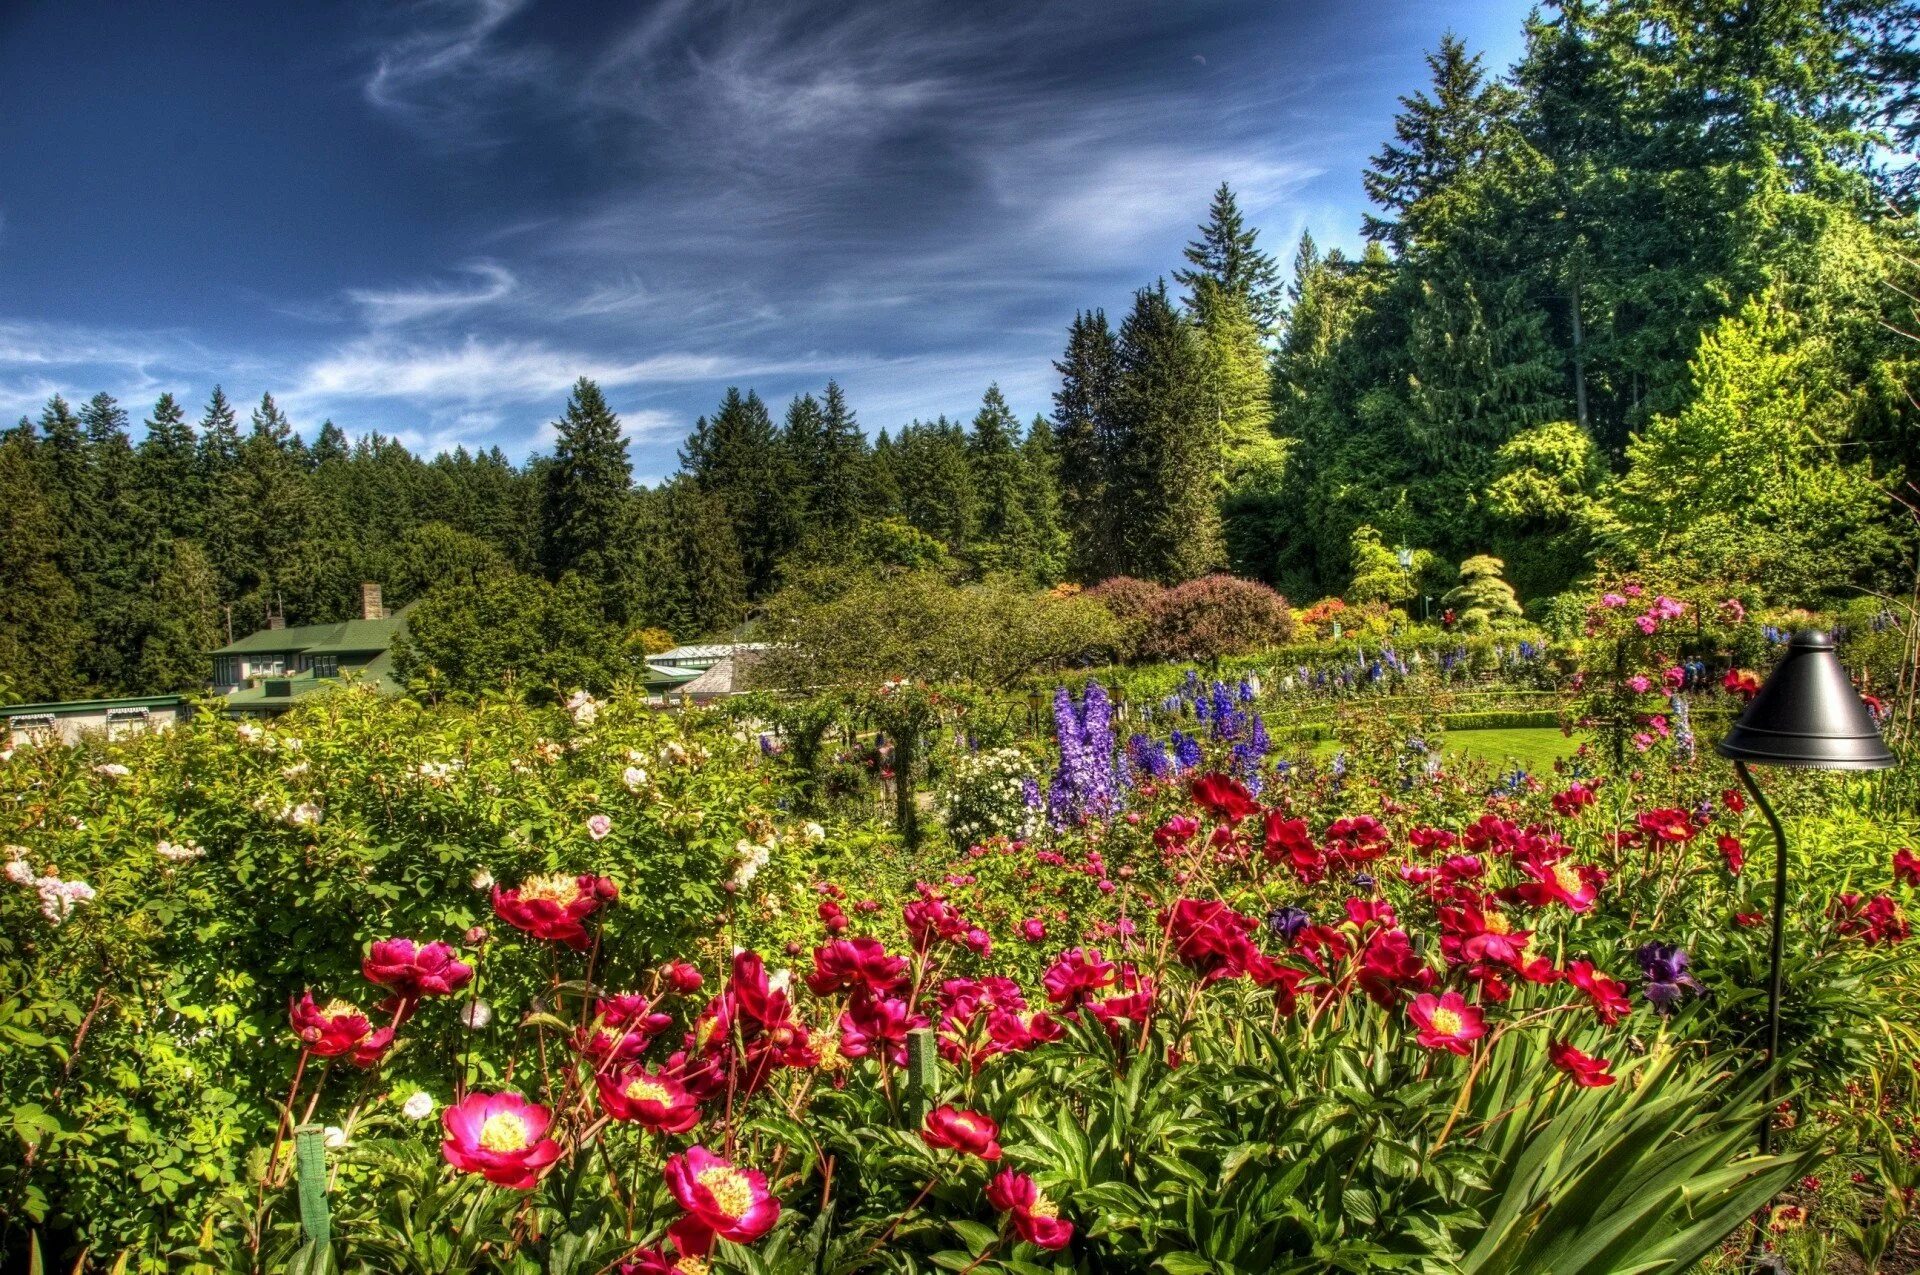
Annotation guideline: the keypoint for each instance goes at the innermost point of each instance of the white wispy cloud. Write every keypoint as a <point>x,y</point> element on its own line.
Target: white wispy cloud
<point>446,76</point>
<point>491,282</point>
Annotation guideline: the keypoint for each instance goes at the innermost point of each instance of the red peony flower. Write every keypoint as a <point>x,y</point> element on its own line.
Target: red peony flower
<point>856,965</point>
<point>1076,975</point>
<point>649,1099</point>
<point>1741,682</point>
<point>1609,995</point>
<point>1036,1219</point>
<point>729,1202</point>
<point>1288,841</point>
<point>367,1054</point>
<point>967,1132</point>
<point>1573,800</point>
<point>1390,970</point>
<point>622,1028</point>
<point>553,907</point>
<point>330,1030</point>
<point>1560,882</point>
<point>683,978</point>
<point>1734,853</point>
<point>500,1136</point>
<point>1176,831</point>
<point>1587,1071</point>
<point>1875,921</point>
<point>1446,1022</point>
<point>1209,937</point>
<point>1667,824</point>
<point>1906,868</point>
<point>1223,797</point>
<point>878,1026</point>
<point>411,971</point>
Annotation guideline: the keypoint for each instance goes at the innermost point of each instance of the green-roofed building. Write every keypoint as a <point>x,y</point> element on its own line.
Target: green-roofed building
<point>273,669</point>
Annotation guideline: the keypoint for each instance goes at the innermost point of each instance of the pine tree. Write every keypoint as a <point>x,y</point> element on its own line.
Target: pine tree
<point>1439,139</point>
<point>119,554</point>
<point>219,437</point>
<point>329,445</point>
<point>1084,439</point>
<point>167,473</point>
<point>703,583</point>
<point>1240,378</point>
<point>584,512</point>
<point>1040,491</point>
<point>839,489</point>
<point>180,622</point>
<point>1004,534</point>
<point>1227,253</point>
<point>1167,428</point>
<point>42,633</point>
<point>937,495</point>
<point>735,456</point>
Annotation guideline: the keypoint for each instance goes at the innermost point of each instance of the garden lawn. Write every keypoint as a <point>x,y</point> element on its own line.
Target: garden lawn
<point>1533,749</point>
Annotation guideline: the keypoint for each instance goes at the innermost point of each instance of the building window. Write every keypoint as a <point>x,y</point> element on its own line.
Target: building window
<point>122,722</point>
<point>226,670</point>
<point>326,666</point>
<point>38,727</point>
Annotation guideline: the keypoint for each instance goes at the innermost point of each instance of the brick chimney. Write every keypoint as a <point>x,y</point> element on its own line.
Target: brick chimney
<point>371,604</point>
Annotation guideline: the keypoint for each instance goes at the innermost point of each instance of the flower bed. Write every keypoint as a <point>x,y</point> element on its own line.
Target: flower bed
<point>576,993</point>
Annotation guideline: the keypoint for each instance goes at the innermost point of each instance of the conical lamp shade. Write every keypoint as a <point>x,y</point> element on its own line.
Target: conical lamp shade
<point>1808,714</point>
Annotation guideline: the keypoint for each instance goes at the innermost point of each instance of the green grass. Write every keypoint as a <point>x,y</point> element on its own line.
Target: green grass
<point>1533,749</point>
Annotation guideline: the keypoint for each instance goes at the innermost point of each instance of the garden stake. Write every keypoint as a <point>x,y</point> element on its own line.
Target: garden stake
<point>923,1074</point>
<point>310,1153</point>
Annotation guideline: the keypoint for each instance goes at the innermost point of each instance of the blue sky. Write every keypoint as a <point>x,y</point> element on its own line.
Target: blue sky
<point>428,219</point>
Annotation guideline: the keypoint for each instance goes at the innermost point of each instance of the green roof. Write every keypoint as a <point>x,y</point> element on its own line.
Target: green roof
<point>267,641</point>
<point>339,638</point>
<point>67,708</point>
<point>360,635</point>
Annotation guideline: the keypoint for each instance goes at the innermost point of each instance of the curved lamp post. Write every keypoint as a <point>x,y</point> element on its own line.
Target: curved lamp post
<point>1806,715</point>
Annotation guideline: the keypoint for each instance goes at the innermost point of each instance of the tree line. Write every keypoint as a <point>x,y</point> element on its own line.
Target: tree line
<point>1643,301</point>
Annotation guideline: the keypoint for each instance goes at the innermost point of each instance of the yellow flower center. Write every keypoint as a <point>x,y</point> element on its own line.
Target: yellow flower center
<point>504,1131</point>
<point>1497,923</point>
<point>643,1090</point>
<point>1446,1022</point>
<point>1043,1207</point>
<point>692,1265</point>
<point>1568,879</point>
<point>730,1189</point>
<point>339,1009</point>
<point>558,889</point>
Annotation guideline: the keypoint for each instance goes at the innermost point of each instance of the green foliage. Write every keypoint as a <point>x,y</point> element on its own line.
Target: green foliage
<point>858,629</point>
<point>1777,506</point>
<point>1483,600</point>
<point>511,632</point>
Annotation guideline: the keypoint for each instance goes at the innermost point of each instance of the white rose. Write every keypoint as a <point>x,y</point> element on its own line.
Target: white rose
<point>418,1107</point>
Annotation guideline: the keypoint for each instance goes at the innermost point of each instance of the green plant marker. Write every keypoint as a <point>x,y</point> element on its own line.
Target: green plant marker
<point>310,1159</point>
<point>923,1073</point>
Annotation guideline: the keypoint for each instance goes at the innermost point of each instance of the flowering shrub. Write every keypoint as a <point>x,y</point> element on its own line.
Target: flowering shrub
<point>987,795</point>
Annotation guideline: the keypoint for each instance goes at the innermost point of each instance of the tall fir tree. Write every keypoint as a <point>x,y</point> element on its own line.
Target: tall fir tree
<point>1228,254</point>
<point>838,491</point>
<point>735,456</point>
<point>1040,492</point>
<point>1085,444</point>
<point>43,635</point>
<point>1003,532</point>
<point>1168,453</point>
<point>585,517</point>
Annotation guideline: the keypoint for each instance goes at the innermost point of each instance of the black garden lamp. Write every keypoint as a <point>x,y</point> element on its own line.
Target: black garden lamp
<point>1808,715</point>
